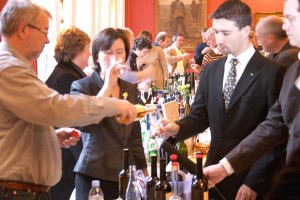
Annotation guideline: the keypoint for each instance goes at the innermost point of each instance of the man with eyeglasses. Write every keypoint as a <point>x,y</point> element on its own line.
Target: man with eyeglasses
<point>30,153</point>
<point>284,113</point>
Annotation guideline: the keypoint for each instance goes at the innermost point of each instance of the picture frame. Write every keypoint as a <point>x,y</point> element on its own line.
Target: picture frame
<point>259,15</point>
<point>188,21</point>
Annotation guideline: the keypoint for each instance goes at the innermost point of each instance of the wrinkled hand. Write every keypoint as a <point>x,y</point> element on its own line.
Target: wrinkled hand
<point>127,111</point>
<point>167,129</point>
<point>246,193</point>
<point>215,174</point>
<point>68,137</point>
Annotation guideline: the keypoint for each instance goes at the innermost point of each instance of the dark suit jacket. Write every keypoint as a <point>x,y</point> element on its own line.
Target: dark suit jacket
<point>255,93</point>
<point>60,80</point>
<point>287,56</point>
<point>103,143</point>
<point>285,112</point>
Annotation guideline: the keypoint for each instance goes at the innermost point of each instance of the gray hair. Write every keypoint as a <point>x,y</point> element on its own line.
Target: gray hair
<point>16,11</point>
<point>161,36</point>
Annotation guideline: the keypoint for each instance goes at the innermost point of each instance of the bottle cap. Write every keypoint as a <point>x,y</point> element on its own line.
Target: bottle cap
<point>95,183</point>
<point>173,157</point>
<point>199,155</point>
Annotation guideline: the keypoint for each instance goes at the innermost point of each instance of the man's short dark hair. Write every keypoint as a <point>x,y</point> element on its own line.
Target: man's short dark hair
<point>141,43</point>
<point>234,10</point>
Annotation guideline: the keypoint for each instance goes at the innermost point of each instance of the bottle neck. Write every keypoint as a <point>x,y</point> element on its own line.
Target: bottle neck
<point>199,172</point>
<point>125,160</point>
<point>153,167</point>
<point>162,169</point>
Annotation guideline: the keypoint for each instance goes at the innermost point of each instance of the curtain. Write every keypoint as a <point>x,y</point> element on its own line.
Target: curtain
<point>91,16</point>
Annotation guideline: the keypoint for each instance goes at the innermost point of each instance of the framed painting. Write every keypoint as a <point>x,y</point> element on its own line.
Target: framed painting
<point>188,17</point>
<point>259,15</point>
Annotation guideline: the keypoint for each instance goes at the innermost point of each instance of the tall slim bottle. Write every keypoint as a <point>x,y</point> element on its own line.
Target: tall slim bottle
<point>174,173</point>
<point>132,191</point>
<point>199,186</point>
<point>162,188</point>
<point>153,179</point>
<point>124,175</point>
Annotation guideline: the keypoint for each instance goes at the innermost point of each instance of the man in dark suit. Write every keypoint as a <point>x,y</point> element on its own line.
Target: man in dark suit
<point>285,112</point>
<point>273,39</point>
<point>232,99</point>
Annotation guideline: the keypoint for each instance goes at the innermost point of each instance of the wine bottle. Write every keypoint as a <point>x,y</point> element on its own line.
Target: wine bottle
<point>141,112</point>
<point>199,186</point>
<point>152,148</point>
<point>174,172</point>
<point>162,188</point>
<point>153,179</point>
<point>124,175</point>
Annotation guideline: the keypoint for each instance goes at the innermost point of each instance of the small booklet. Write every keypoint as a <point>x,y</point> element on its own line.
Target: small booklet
<point>170,110</point>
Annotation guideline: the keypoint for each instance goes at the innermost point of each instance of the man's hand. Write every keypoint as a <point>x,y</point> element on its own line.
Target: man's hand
<point>127,111</point>
<point>167,129</point>
<point>68,136</point>
<point>215,174</point>
<point>246,193</point>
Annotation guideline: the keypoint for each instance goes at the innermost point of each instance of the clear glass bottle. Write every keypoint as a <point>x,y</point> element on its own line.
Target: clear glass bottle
<point>124,175</point>
<point>174,174</point>
<point>132,191</point>
<point>96,192</point>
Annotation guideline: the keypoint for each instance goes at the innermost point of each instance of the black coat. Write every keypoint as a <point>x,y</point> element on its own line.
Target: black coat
<point>255,93</point>
<point>60,80</point>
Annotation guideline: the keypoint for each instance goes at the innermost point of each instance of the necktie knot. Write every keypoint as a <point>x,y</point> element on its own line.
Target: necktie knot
<point>234,62</point>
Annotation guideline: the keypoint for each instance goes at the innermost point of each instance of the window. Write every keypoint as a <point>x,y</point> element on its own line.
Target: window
<point>90,16</point>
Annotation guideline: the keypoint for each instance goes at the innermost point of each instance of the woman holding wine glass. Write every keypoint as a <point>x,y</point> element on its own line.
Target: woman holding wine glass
<point>103,143</point>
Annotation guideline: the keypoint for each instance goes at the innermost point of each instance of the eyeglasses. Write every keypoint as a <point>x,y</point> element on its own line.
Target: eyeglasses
<point>39,29</point>
<point>290,18</point>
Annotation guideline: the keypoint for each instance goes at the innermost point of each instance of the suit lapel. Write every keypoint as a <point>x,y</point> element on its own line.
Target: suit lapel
<point>249,75</point>
<point>218,83</point>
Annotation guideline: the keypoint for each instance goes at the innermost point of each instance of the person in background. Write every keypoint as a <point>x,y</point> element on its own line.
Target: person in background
<point>156,60</point>
<point>233,97</point>
<point>284,113</point>
<point>141,48</point>
<point>201,49</point>
<point>72,52</point>
<point>30,147</point>
<point>130,36</point>
<point>108,137</point>
<point>177,58</point>
<point>274,41</point>
<point>214,53</point>
<point>162,40</point>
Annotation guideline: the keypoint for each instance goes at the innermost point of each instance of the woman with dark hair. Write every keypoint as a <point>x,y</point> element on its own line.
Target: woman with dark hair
<point>103,143</point>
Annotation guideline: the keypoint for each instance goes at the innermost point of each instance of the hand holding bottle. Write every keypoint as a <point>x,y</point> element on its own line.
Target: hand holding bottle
<point>215,174</point>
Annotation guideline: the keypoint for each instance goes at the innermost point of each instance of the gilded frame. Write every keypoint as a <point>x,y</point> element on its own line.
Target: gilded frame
<point>260,15</point>
<point>194,19</point>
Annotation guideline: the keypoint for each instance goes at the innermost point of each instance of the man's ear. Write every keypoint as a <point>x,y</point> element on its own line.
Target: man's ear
<point>22,29</point>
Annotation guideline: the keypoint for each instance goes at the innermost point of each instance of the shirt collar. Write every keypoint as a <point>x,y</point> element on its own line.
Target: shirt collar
<point>244,57</point>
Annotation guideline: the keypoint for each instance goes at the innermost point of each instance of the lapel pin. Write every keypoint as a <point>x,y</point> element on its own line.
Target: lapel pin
<point>251,74</point>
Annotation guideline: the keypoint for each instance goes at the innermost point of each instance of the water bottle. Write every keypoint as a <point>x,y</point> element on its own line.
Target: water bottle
<point>132,191</point>
<point>96,192</point>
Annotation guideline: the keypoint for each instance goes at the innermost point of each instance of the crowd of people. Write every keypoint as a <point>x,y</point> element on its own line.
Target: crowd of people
<point>248,97</point>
